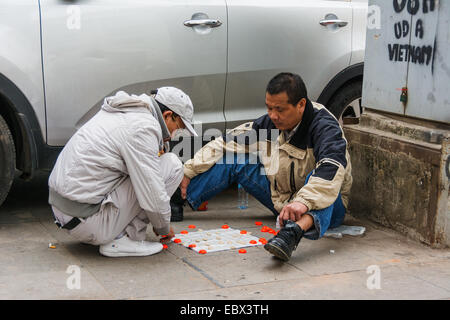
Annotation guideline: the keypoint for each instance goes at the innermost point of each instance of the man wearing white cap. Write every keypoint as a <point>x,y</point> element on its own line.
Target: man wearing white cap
<point>179,103</point>
<point>114,176</point>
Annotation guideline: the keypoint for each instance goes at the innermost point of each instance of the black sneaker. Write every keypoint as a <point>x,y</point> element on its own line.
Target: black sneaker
<point>286,241</point>
<point>176,206</point>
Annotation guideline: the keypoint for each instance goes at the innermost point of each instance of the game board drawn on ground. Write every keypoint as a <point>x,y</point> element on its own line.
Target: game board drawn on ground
<point>214,240</point>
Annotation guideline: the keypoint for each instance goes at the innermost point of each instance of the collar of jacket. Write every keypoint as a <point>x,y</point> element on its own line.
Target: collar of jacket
<point>300,137</point>
<point>160,118</point>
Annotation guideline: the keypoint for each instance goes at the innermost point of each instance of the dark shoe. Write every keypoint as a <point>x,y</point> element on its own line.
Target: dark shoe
<point>286,241</point>
<point>176,206</point>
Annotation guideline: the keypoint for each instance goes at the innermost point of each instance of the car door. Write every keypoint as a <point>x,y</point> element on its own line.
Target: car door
<point>265,37</point>
<point>92,49</point>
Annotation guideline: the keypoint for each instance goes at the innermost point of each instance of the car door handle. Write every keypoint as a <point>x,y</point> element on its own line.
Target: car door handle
<point>338,22</point>
<point>213,23</point>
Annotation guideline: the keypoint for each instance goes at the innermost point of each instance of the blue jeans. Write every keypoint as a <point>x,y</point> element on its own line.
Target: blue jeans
<point>249,174</point>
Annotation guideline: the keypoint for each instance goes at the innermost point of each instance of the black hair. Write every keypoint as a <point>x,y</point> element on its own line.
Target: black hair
<point>162,106</point>
<point>290,83</point>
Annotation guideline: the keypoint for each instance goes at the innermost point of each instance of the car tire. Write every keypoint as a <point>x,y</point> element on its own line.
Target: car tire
<point>7,160</point>
<point>346,103</point>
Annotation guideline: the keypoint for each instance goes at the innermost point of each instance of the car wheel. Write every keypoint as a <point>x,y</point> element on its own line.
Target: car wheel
<point>346,103</point>
<point>7,160</point>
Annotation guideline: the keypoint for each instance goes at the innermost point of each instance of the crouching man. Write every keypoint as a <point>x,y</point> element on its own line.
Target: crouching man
<point>303,176</point>
<point>113,177</point>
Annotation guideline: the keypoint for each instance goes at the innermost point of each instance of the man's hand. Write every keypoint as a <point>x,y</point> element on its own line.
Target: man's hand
<point>292,211</point>
<point>184,185</point>
<point>167,237</point>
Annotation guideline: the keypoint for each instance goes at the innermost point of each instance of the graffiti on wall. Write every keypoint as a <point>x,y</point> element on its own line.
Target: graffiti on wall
<point>410,44</point>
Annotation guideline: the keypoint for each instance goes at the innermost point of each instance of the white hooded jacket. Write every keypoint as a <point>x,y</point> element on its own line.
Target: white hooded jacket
<point>122,140</point>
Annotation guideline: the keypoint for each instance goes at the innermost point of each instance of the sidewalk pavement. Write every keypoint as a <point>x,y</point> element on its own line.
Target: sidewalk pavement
<point>329,268</point>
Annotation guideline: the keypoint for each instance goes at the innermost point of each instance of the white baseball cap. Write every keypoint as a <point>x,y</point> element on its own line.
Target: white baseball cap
<point>180,103</point>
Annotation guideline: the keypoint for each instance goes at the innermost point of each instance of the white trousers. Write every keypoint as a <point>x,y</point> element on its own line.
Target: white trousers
<point>120,211</point>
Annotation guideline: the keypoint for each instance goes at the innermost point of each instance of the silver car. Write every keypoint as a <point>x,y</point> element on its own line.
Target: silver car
<point>59,59</point>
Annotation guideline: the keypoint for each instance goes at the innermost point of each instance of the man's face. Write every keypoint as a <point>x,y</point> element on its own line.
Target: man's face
<point>173,123</point>
<point>285,116</point>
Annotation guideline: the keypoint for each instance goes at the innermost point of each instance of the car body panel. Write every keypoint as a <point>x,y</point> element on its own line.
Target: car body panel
<point>20,52</point>
<point>92,49</point>
<point>266,37</point>
<point>360,10</point>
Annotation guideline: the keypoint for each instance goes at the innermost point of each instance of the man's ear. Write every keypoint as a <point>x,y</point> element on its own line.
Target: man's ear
<point>167,114</point>
<point>302,103</point>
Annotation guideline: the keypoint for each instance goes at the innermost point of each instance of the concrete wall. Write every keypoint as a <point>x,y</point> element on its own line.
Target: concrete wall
<point>401,175</point>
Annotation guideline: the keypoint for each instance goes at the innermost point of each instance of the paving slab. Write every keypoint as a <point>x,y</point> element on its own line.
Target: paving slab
<point>395,284</point>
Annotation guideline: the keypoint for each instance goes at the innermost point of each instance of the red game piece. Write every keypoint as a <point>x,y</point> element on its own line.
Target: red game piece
<point>242,251</point>
<point>264,229</point>
<point>184,232</point>
<point>177,240</point>
<point>225,226</point>
<point>253,242</point>
<point>203,206</point>
<point>202,251</point>
<point>165,246</point>
<point>192,245</point>
<point>258,223</point>
<point>191,226</point>
<point>243,231</point>
<point>263,240</point>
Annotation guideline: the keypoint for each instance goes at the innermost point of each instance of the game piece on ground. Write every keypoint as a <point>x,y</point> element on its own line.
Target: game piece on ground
<point>177,240</point>
<point>242,251</point>
<point>202,251</point>
<point>203,206</point>
<point>184,232</point>
<point>225,226</point>
<point>243,231</point>
<point>191,226</point>
<point>258,223</point>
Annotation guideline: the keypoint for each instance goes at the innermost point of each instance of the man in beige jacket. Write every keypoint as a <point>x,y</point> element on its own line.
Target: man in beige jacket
<point>294,160</point>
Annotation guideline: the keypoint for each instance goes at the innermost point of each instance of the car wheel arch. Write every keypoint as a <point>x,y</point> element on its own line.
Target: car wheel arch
<point>23,124</point>
<point>343,78</point>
